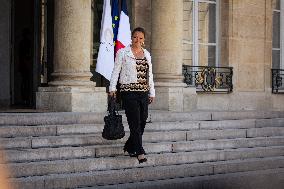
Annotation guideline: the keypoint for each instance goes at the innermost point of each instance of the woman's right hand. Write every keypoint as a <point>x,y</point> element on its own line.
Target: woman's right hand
<point>112,93</point>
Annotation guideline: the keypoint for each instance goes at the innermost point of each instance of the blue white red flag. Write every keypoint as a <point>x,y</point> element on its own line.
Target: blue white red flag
<point>124,32</point>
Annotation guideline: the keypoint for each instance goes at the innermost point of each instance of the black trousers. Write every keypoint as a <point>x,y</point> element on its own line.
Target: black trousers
<point>136,110</point>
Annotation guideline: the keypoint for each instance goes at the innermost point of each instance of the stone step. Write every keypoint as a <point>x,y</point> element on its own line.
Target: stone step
<point>28,131</point>
<point>149,136</point>
<point>268,131</point>
<point>53,130</point>
<point>111,178</point>
<point>214,115</point>
<point>96,139</point>
<point>260,179</point>
<point>56,130</point>
<point>50,118</point>
<point>154,115</point>
<point>28,155</point>
<point>124,162</point>
<point>246,115</point>
<point>276,122</point>
<point>227,144</point>
<point>85,140</point>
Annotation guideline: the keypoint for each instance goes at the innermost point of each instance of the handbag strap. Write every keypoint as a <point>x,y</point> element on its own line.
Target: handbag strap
<point>112,109</point>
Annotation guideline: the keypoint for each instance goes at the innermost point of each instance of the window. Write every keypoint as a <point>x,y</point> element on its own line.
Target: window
<point>201,28</point>
<point>277,34</point>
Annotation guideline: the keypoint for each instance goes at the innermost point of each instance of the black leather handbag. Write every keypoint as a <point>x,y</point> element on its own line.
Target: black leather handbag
<point>113,128</point>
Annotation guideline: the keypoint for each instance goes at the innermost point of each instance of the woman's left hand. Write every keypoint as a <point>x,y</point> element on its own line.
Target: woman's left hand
<point>151,99</point>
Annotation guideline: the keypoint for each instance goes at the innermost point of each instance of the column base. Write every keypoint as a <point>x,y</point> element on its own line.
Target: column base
<point>72,99</point>
<point>174,97</point>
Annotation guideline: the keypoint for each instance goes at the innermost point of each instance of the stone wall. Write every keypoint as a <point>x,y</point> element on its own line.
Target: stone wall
<point>245,44</point>
<point>4,53</point>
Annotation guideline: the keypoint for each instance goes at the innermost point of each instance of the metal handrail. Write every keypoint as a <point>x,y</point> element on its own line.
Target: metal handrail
<point>209,78</point>
<point>277,81</point>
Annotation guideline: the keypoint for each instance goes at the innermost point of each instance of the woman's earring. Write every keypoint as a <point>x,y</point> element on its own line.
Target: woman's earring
<point>143,44</point>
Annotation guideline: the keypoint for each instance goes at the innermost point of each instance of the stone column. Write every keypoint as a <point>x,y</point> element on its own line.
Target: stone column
<point>72,42</point>
<point>166,49</point>
<point>71,88</point>
<point>166,46</point>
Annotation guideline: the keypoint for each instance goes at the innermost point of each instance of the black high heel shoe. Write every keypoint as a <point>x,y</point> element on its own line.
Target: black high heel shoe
<point>141,160</point>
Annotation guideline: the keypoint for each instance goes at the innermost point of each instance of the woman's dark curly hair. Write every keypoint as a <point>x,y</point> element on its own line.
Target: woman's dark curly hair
<point>138,29</point>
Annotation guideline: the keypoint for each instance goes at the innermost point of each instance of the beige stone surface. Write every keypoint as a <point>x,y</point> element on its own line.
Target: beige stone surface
<point>252,27</point>
<point>235,101</point>
<point>251,78</point>
<point>177,99</point>
<point>189,99</point>
<point>72,99</point>
<point>250,51</point>
<point>247,44</point>
<point>278,102</point>
<point>224,57</point>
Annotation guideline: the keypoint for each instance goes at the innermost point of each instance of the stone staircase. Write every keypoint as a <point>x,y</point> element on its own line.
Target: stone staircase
<point>185,150</point>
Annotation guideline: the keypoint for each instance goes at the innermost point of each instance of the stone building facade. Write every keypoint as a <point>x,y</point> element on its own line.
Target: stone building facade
<point>241,36</point>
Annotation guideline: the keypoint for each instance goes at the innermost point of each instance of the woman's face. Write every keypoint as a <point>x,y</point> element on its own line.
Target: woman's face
<point>137,39</point>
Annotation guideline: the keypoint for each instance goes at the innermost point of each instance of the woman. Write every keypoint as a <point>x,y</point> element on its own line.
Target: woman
<point>134,69</point>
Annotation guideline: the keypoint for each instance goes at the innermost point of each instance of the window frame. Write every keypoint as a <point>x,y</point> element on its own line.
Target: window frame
<point>195,34</point>
<point>281,36</point>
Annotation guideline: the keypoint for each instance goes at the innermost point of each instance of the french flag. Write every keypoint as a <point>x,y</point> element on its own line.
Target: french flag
<point>124,32</point>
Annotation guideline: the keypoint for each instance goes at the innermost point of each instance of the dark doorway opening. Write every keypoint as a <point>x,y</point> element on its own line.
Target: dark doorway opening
<point>25,52</point>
